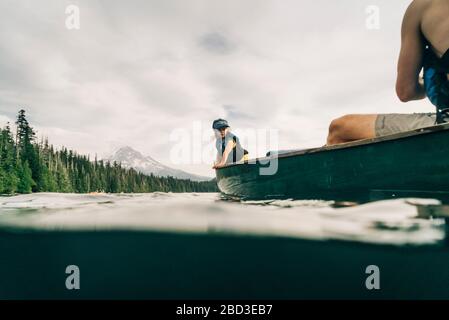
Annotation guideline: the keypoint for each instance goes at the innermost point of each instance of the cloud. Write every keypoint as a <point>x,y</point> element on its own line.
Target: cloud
<point>237,114</point>
<point>216,43</point>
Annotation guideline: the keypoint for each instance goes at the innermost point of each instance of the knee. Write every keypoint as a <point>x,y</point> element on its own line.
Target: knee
<point>336,125</point>
<point>337,129</point>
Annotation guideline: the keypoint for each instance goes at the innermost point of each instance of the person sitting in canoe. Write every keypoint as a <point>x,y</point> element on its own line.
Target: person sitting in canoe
<point>229,149</point>
<point>425,43</point>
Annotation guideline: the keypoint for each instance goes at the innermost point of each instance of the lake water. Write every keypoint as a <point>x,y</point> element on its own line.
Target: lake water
<point>395,222</point>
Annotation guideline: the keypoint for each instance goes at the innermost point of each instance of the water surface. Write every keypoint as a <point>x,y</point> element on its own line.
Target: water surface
<point>395,222</point>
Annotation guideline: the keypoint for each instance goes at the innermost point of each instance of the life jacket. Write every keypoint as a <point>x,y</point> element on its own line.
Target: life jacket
<point>436,82</point>
<point>237,154</point>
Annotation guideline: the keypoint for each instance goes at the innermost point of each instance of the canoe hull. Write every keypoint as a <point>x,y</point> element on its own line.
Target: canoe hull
<point>416,163</point>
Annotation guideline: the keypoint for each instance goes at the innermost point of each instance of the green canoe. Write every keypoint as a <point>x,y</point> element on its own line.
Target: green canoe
<point>414,163</point>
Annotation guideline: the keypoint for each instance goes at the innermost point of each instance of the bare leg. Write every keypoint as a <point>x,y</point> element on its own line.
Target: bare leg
<point>352,127</point>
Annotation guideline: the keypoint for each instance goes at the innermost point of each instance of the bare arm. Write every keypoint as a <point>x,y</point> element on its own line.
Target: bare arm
<point>408,85</point>
<point>227,151</point>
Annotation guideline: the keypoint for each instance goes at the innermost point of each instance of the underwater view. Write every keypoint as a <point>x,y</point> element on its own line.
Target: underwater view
<point>201,246</point>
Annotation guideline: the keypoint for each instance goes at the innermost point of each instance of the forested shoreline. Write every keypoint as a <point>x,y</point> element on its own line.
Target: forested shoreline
<point>28,165</point>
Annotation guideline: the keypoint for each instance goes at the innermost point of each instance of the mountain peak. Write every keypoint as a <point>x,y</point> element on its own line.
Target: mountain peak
<point>125,148</point>
<point>131,158</point>
<point>127,152</point>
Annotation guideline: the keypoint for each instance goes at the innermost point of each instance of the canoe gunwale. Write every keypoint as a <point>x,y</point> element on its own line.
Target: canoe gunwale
<point>347,145</point>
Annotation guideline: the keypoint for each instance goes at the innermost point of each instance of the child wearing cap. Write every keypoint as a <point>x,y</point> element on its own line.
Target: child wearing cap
<point>229,149</point>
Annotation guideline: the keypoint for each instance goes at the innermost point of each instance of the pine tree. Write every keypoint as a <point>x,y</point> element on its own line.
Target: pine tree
<point>8,176</point>
<point>27,151</point>
<point>26,182</point>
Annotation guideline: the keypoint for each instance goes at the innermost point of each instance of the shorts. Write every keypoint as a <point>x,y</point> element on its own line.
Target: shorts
<point>387,124</point>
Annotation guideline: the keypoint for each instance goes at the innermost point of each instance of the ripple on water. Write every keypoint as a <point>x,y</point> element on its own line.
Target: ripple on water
<point>397,222</point>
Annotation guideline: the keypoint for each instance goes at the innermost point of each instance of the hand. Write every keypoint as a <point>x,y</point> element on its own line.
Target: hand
<point>217,165</point>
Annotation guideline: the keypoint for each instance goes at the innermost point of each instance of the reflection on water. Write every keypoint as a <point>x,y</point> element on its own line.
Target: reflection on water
<point>396,222</point>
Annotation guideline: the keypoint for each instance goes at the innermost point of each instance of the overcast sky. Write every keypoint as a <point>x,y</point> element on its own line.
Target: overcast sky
<point>137,70</point>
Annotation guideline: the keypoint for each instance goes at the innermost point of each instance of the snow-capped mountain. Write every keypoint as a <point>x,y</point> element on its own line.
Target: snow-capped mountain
<point>130,158</point>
